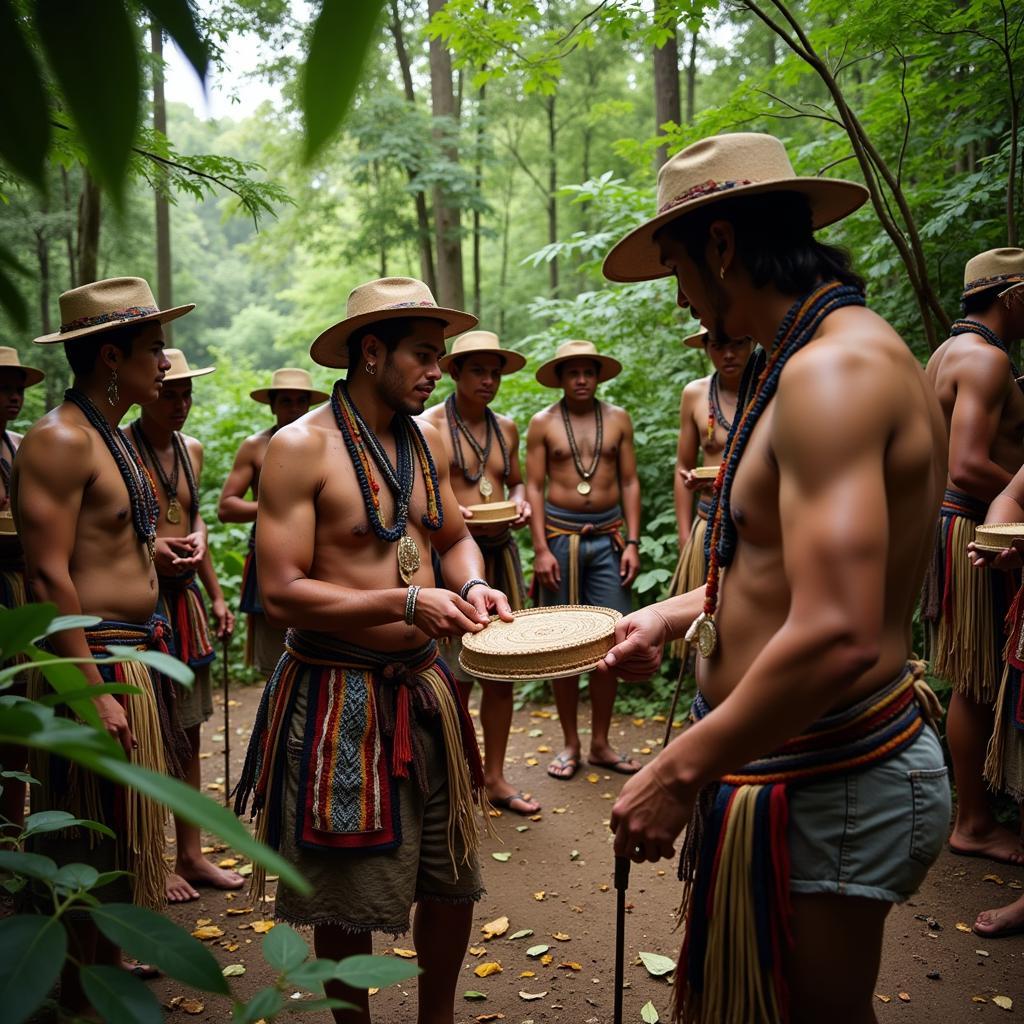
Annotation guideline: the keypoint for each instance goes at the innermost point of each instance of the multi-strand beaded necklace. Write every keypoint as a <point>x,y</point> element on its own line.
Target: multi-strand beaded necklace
<point>968,326</point>
<point>584,485</point>
<point>797,328</point>
<point>139,484</point>
<point>169,482</point>
<point>715,414</point>
<point>458,427</point>
<point>364,449</point>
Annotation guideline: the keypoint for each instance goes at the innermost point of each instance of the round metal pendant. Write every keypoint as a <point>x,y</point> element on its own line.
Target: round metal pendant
<point>707,637</point>
<point>583,487</point>
<point>486,488</point>
<point>408,558</point>
<point>174,511</point>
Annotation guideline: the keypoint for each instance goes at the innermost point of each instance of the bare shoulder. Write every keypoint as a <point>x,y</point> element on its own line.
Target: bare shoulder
<point>696,389</point>
<point>616,414</point>
<point>431,434</point>
<point>15,438</point>
<point>60,444</point>
<point>506,423</point>
<point>542,419</point>
<point>434,415</point>
<point>193,444</point>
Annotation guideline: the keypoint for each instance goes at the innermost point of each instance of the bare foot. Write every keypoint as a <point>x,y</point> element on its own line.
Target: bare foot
<point>1002,921</point>
<point>565,765</point>
<point>508,798</point>
<point>996,844</point>
<point>609,759</point>
<point>147,972</point>
<point>179,891</point>
<point>202,872</point>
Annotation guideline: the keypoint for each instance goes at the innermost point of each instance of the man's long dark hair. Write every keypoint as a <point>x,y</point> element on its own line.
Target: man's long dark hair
<point>775,241</point>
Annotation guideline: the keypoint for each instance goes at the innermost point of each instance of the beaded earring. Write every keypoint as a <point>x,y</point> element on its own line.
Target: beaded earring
<point>371,368</point>
<point>113,394</point>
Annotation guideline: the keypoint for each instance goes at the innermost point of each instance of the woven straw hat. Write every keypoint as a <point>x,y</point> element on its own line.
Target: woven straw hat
<point>102,305</point>
<point>289,379</point>
<point>180,370</point>
<point>698,340</point>
<point>740,163</point>
<point>9,358</point>
<point>385,299</point>
<point>992,268</point>
<point>548,375</point>
<point>483,341</point>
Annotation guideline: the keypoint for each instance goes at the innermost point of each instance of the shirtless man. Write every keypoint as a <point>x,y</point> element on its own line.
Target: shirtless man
<point>14,378</point>
<point>289,396</point>
<point>483,456</point>
<point>809,628</point>
<point>182,554</point>
<point>965,610</point>
<point>706,412</point>
<point>352,500</point>
<point>580,451</point>
<point>86,515</point>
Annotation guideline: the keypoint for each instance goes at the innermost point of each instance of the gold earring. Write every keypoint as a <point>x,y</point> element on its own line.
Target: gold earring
<point>113,394</point>
<point>371,368</point>
<point>721,272</point>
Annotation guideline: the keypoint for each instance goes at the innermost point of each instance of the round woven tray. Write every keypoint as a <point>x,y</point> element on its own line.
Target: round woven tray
<point>998,536</point>
<point>493,512</point>
<point>705,473</point>
<point>7,522</point>
<point>541,643</point>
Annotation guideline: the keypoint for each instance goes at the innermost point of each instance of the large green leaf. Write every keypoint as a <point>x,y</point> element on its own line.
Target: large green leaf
<point>64,675</point>
<point>163,663</point>
<point>51,700</point>
<point>31,865</point>
<point>62,622</point>
<point>74,877</point>
<point>284,949</point>
<point>154,939</point>
<point>32,951</point>
<point>178,20</point>
<point>366,971</point>
<point>54,821</point>
<point>25,125</point>
<point>119,996</point>
<point>20,626</point>
<point>312,974</point>
<point>93,51</point>
<point>342,35</point>
<point>266,1003</point>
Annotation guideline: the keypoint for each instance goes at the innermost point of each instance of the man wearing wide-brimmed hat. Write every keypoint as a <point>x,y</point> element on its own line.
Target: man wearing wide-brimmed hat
<point>483,454</point>
<point>706,412</point>
<point>86,513</point>
<point>175,462</point>
<point>289,394</point>
<point>964,609</point>
<point>812,784</point>
<point>584,489</point>
<point>363,765</point>
<point>14,378</point>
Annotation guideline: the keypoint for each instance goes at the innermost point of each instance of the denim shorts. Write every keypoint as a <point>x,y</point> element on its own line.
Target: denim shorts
<point>874,833</point>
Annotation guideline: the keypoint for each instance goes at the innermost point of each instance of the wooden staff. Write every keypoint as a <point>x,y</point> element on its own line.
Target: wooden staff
<point>225,642</point>
<point>621,885</point>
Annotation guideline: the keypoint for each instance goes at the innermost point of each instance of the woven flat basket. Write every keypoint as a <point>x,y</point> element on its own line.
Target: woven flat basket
<point>705,472</point>
<point>541,643</point>
<point>492,512</point>
<point>7,522</point>
<point>998,536</point>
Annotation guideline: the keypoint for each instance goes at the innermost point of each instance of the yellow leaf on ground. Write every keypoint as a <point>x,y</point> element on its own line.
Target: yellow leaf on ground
<point>193,1006</point>
<point>536,817</point>
<point>262,926</point>
<point>978,999</point>
<point>904,997</point>
<point>487,969</point>
<point>207,931</point>
<point>200,921</point>
<point>206,849</point>
<point>1003,1002</point>
<point>405,954</point>
<point>239,910</point>
<point>527,974</point>
<point>495,928</point>
<point>883,999</point>
<point>532,762</point>
<point>963,926</point>
<point>232,947</point>
<point>484,1018</point>
<point>558,810</point>
<point>544,749</point>
<point>477,950</point>
<point>538,896</point>
<point>639,721</point>
<point>561,936</point>
<point>570,965</point>
<point>228,862</point>
<point>245,870</point>
<point>603,887</point>
<point>993,878</point>
<point>533,995</point>
<point>233,971</point>
<point>645,750</point>
<point>593,778</point>
<point>546,959</point>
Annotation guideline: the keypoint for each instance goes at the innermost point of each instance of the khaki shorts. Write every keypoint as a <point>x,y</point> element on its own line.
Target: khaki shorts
<point>195,702</point>
<point>267,643</point>
<point>374,890</point>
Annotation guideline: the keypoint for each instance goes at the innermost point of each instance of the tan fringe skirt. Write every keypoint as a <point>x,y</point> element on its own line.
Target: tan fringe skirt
<point>691,571</point>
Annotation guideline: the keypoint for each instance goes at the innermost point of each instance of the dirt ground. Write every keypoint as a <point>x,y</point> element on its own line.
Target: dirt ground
<point>558,881</point>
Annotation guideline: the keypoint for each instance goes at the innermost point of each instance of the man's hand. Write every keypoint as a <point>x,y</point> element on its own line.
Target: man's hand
<point>1006,560</point>
<point>691,483</point>
<point>174,556</point>
<point>466,514</point>
<point>488,602</point>
<point>223,619</point>
<point>629,564</point>
<point>197,542</point>
<point>639,643</point>
<point>545,568</point>
<point>115,721</point>
<point>440,613</point>
<point>523,513</point>
<point>647,818</point>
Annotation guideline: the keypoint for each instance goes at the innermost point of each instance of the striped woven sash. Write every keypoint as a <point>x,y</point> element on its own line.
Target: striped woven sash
<point>560,523</point>
<point>182,603</point>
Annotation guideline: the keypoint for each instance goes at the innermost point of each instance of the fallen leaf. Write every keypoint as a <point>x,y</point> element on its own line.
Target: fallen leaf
<point>883,999</point>
<point>992,878</point>
<point>532,762</point>
<point>558,810</point>
<point>495,928</point>
<point>485,1017</point>
<point>535,733</point>
<point>645,750</point>
<point>517,729</point>
<point>472,994</point>
<point>639,721</point>
<point>522,828</point>
<point>603,888</point>
<point>539,896</point>
<point>232,947</point>
<point>533,995</point>
<point>981,952</point>
<point>545,749</point>
<point>405,954</point>
<point>502,855</point>
<point>477,950</point>
<point>233,971</point>
<point>494,812</point>
<point>963,926</point>
<point>536,817</point>
<point>207,931</point>
<point>1003,1002</point>
<point>570,965</point>
<point>245,870</point>
<point>537,950</point>
<point>228,862</point>
<point>1015,885</point>
<point>540,714</point>
<point>904,997</point>
<point>546,959</point>
<point>593,778</point>
<point>527,974</point>
<point>203,850</point>
<point>262,927</point>
<point>487,969</point>
<point>575,855</point>
<point>978,999</point>
<point>193,1006</point>
<point>523,933</point>
<point>649,1014</point>
<point>657,965</point>
<point>239,910</point>
<point>561,936</point>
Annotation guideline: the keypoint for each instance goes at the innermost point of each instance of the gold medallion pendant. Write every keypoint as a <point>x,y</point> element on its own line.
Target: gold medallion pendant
<point>704,631</point>
<point>583,487</point>
<point>408,558</point>
<point>486,488</point>
<point>174,511</point>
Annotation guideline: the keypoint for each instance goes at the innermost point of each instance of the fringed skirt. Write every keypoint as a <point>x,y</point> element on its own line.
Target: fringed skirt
<point>1004,761</point>
<point>692,569</point>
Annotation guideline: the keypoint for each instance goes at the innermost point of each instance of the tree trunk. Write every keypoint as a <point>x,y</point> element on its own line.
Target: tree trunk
<point>666,85</point>
<point>54,378</point>
<point>691,79</point>
<point>87,256</point>
<point>447,217</point>
<point>478,181</point>
<point>549,102</point>
<point>161,205</point>
<point>69,240</point>
<point>426,249</point>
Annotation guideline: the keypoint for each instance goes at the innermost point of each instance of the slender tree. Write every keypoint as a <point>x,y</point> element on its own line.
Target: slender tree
<point>162,207</point>
<point>666,78</point>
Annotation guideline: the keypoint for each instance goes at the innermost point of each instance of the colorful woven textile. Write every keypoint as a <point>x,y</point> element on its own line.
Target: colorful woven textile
<point>357,744</point>
<point>558,524</point>
<point>735,858</point>
<point>181,603</point>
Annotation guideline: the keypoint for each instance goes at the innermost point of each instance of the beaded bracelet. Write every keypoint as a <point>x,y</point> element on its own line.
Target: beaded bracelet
<point>469,585</point>
<point>410,604</point>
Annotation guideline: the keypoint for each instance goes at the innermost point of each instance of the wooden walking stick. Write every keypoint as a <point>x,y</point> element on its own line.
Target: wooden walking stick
<point>225,642</point>
<point>621,885</point>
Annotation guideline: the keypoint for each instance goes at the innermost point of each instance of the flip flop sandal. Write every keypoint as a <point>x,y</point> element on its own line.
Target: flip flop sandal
<point>505,803</point>
<point>565,761</point>
<point>615,766</point>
